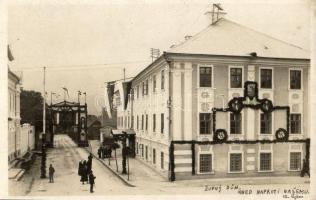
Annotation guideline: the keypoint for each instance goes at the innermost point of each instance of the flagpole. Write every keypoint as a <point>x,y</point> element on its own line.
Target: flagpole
<point>44,104</point>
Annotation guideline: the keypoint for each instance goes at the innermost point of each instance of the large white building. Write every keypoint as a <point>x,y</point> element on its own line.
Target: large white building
<point>21,139</point>
<point>227,102</point>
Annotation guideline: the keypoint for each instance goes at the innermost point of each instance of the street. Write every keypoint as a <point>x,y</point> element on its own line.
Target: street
<point>66,155</point>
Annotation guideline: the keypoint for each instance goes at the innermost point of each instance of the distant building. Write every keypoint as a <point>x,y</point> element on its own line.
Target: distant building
<point>227,102</point>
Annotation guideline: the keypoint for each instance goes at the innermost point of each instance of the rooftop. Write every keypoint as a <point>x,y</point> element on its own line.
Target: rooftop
<point>231,39</point>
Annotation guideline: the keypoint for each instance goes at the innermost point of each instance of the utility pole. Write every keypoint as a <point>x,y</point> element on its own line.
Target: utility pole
<point>43,162</point>
<point>154,54</point>
<point>44,104</point>
<point>124,73</point>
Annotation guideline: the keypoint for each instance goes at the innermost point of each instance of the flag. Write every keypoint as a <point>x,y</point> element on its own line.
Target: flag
<point>10,55</point>
<point>109,92</point>
<point>66,90</point>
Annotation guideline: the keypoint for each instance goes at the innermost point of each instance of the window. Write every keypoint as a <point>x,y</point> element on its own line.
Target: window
<point>235,162</point>
<point>295,123</point>
<point>146,152</point>
<point>125,122</point>
<point>154,83</point>
<point>295,79</point>
<point>137,148</point>
<point>146,122</point>
<point>161,160</point>
<point>265,162</point>
<point>162,123</point>
<point>266,78</point>
<point>205,77</point>
<point>143,88</point>
<point>295,161</point>
<point>265,123</point>
<point>162,79</point>
<point>235,123</point>
<point>205,163</point>
<point>137,91</point>
<point>154,156</point>
<point>205,123</point>
<point>142,150</point>
<point>146,88</point>
<point>137,122</point>
<point>142,122</point>
<point>235,77</point>
<point>154,122</point>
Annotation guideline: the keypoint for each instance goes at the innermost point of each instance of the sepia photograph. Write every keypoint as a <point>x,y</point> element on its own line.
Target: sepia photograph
<point>154,98</point>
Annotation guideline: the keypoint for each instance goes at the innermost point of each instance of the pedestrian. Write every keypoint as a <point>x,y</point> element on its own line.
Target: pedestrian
<point>102,152</point>
<point>91,179</point>
<point>99,152</point>
<point>89,163</point>
<point>80,167</point>
<point>84,174</point>
<point>305,169</point>
<point>51,173</point>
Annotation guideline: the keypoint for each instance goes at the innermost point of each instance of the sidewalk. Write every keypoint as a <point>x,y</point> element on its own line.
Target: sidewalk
<point>139,173</point>
<point>143,175</point>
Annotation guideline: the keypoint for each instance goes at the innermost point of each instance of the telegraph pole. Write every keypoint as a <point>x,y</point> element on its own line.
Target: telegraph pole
<point>43,163</point>
<point>44,104</point>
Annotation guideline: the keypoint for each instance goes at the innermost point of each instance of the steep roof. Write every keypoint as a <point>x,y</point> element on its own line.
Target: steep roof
<point>229,38</point>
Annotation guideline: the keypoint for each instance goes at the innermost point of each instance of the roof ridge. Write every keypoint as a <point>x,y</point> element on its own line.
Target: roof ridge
<point>267,35</point>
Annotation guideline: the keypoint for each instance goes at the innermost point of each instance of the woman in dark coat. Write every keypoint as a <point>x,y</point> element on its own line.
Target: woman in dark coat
<point>84,172</point>
<point>80,168</point>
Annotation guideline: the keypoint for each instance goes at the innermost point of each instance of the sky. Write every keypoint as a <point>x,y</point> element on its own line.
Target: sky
<point>84,44</point>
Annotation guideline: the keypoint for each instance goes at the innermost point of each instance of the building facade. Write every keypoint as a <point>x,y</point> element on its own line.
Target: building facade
<point>21,139</point>
<point>217,106</point>
<point>13,116</point>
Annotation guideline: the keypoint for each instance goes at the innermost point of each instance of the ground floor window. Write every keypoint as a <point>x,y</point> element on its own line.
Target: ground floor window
<point>154,156</point>
<point>235,162</point>
<point>265,161</point>
<point>295,160</point>
<point>162,160</point>
<point>205,163</point>
<point>146,152</point>
<point>137,147</point>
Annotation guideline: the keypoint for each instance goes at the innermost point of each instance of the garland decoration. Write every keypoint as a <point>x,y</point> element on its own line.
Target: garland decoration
<point>220,135</point>
<point>281,134</point>
<point>172,176</point>
<point>193,158</point>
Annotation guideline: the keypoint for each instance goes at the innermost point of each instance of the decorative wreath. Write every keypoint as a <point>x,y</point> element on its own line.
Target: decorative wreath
<point>281,134</point>
<point>266,105</point>
<point>235,105</point>
<point>220,135</point>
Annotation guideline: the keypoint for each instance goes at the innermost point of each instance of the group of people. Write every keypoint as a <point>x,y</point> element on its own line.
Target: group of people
<point>104,152</point>
<point>85,172</point>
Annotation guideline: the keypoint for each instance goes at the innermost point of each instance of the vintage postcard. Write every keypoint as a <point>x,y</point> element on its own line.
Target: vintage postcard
<point>186,97</point>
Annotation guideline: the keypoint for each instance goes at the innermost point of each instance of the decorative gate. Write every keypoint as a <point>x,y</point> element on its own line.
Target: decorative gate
<point>70,118</point>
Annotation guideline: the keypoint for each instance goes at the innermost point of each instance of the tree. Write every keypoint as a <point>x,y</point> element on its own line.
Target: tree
<point>32,108</point>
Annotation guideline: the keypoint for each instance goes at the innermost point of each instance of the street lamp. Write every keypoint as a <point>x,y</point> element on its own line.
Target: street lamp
<point>43,163</point>
<point>43,135</point>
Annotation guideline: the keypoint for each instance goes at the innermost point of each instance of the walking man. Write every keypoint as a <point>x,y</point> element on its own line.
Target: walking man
<point>51,173</point>
<point>91,181</point>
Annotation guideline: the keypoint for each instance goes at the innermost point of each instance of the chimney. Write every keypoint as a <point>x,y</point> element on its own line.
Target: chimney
<point>216,14</point>
<point>187,37</point>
